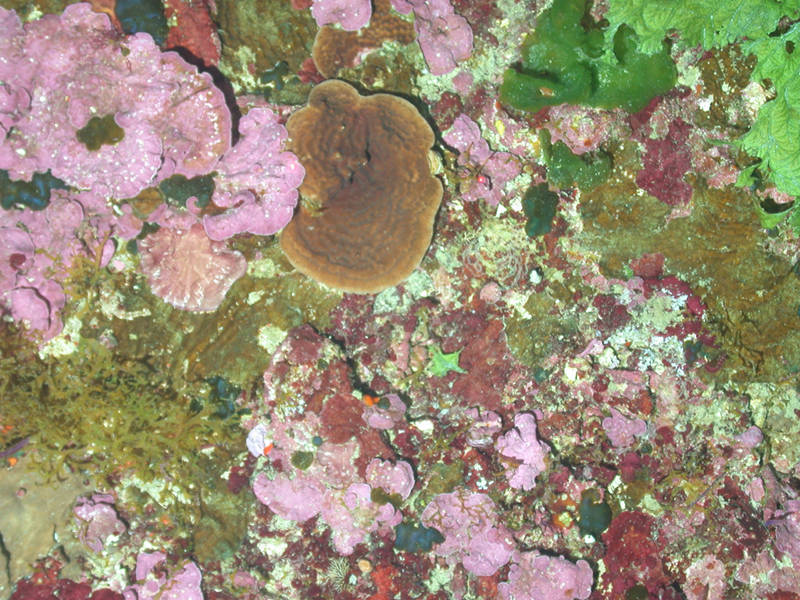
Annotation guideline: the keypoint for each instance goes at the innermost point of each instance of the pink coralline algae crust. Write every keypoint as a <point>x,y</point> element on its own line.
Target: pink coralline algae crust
<point>664,165</point>
<point>512,134</point>
<point>328,394</point>
<point>38,308</point>
<point>352,15</point>
<point>38,247</point>
<point>60,71</point>
<point>787,530</point>
<point>705,580</point>
<point>97,520</point>
<point>353,515</point>
<point>393,478</point>
<point>751,437</point>
<point>486,423</point>
<point>296,499</point>
<point>621,430</point>
<point>187,269</point>
<point>256,181</point>
<point>473,537</point>
<point>444,37</point>
<point>484,380</point>
<point>153,584</point>
<point>581,128</point>
<point>350,513</point>
<point>385,418</point>
<point>535,576</point>
<point>523,445</point>
<point>783,581</point>
<point>485,172</point>
<point>481,15</point>
<point>331,485</point>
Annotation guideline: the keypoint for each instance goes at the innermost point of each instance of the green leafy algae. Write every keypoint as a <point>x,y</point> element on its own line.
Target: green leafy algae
<point>566,59</point>
<point>774,137</point>
<point>565,169</point>
<point>709,23</point>
<point>100,131</point>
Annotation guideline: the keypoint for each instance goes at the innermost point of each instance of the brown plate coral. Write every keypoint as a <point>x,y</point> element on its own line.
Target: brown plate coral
<point>369,199</point>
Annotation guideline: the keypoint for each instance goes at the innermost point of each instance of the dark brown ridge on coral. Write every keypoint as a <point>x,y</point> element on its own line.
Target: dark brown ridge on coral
<point>369,199</point>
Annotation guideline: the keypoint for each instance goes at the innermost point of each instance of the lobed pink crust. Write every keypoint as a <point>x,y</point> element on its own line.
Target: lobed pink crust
<point>187,269</point>
<point>787,529</point>
<point>485,172</point>
<point>468,522</point>
<point>350,513</point>
<point>444,37</point>
<point>37,248</point>
<point>533,576</point>
<point>60,71</point>
<point>97,520</point>
<point>256,180</point>
<point>393,478</point>
<point>385,418</point>
<point>297,499</point>
<point>522,444</point>
<point>352,15</point>
<point>152,583</point>
<point>621,430</point>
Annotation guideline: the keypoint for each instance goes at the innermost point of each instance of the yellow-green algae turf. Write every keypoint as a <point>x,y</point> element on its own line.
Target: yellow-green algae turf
<point>106,416</point>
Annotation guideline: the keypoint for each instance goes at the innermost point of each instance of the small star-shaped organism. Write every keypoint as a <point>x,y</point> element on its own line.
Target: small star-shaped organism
<point>440,364</point>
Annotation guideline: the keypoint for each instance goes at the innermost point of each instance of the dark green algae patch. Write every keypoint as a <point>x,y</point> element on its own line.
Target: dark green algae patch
<point>146,16</point>
<point>35,194</point>
<point>99,132</point>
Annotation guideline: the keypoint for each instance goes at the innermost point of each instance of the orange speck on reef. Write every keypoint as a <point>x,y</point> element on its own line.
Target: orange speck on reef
<point>370,400</point>
<point>268,448</point>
